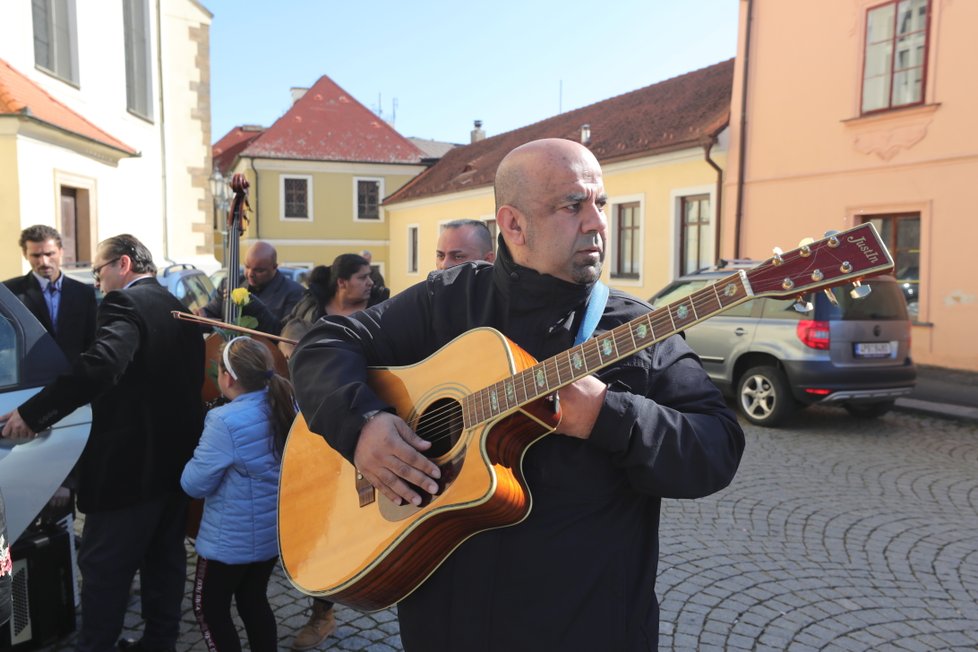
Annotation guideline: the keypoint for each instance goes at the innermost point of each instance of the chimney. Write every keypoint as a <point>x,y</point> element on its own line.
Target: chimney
<point>297,93</point>
<point>585,134</point>
<point>477,133</point>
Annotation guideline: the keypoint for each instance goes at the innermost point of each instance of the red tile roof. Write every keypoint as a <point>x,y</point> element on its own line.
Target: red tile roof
<point>678,113</point>
<point>226,150</point>
<point>327,124</point>
<point>21,96</point>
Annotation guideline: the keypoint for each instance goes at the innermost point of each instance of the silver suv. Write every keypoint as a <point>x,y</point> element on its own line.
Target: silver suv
<point>774,359</point>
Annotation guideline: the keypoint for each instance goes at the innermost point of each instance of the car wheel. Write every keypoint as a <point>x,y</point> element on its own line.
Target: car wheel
<point>869,410</point>
<point>763,396</point>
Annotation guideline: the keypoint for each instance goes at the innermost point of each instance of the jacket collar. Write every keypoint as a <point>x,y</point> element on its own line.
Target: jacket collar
<point>540,302</point>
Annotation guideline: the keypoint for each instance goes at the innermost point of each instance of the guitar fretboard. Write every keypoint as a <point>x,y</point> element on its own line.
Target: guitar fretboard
<point>622,341</point>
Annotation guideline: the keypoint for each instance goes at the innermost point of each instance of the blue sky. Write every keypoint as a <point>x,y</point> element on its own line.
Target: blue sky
<point>508,63</point>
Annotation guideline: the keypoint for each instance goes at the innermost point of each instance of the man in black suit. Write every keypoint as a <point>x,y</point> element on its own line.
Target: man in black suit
<point>143,376</point>
<point>64,306</point>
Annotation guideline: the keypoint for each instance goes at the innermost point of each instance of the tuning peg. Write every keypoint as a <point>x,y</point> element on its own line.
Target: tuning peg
<point>859,291</point>
<point>830,233</point>
<point>830,295</point>
<point>802,306</point>
<point>803,247</point>
<point>777,260</point>
<point>831,240</point>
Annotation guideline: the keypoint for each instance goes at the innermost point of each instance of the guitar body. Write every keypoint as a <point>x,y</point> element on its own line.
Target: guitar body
<point>342,540</point>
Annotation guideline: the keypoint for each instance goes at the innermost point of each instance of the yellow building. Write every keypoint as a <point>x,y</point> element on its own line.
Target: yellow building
<point>662,149</point>
<point>861,111</point>
<point>318,177</point>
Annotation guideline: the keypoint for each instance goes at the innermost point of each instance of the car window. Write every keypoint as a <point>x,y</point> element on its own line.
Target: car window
<point>884,303</point>
<point>198,291</point>
<point>745,309</point>
<point>785,309</point>
<point>8,353</point>
<point>677,291</point>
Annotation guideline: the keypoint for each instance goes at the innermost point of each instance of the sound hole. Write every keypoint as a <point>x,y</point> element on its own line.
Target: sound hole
<point>441,424</point>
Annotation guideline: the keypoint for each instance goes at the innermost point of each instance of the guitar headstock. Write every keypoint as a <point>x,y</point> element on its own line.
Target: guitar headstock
<point>845,256</point>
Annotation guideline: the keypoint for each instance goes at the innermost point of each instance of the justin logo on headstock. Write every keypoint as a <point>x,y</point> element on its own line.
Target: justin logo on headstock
<point>871,254</point>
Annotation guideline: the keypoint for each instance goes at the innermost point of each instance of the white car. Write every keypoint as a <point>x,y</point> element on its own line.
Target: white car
<point>31,471</point>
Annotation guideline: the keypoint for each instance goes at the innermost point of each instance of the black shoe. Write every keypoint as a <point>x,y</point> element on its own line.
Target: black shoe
<point>133,645</point>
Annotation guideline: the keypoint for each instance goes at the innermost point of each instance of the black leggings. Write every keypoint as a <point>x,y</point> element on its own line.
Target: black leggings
<point>214,584</point>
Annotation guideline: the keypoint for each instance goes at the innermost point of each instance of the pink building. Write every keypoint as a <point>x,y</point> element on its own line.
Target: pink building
<point>864,110</point>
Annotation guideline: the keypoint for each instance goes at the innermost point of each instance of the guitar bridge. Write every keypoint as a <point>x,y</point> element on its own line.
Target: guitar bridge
<point>365,491</point>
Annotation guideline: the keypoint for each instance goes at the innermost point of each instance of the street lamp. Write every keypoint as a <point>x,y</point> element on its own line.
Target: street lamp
<point>219,191</point>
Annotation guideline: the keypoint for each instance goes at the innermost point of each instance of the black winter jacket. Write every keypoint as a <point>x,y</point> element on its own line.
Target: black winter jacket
<point>579,572</point>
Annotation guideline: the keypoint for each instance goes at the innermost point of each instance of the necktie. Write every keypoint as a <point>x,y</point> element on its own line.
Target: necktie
<point>52,309</point>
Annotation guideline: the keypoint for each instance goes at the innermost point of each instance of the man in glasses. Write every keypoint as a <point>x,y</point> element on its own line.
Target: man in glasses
<point>142,376</point>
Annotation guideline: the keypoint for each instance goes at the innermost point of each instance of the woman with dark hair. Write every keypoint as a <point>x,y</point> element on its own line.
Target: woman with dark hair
<point>343,288</point>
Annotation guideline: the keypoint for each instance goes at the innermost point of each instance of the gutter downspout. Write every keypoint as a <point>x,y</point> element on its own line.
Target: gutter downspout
<point>159,65</point>
<point>719,199</point>
<point>742,155</point>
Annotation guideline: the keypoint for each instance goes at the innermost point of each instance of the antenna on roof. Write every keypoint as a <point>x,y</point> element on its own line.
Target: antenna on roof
<point>560,97</point>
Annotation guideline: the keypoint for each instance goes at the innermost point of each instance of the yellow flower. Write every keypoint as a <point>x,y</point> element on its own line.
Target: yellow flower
<point>240,296</point>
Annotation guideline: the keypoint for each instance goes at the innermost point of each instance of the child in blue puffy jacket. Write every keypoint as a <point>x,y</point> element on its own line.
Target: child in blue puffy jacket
<point>235,468</point>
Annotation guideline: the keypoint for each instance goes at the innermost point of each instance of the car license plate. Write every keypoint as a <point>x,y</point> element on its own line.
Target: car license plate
<point>874,349</point>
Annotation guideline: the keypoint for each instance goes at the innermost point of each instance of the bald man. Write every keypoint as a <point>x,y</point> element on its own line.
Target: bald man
<point>579,572</point>
<point>461,241</point>
<point>276,292</point>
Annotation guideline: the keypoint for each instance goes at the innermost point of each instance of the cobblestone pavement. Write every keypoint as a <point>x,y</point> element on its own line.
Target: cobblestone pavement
<point>837,534</point>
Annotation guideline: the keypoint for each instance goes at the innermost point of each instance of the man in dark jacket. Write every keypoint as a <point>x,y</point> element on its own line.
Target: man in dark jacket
<point>276,292</point>
<point>579,572</point>
<point>64,306</point>
<point>143,376</point>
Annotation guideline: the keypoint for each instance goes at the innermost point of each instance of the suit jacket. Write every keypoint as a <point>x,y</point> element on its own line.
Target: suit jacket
<point>143,377</point>
<point>76,313</point>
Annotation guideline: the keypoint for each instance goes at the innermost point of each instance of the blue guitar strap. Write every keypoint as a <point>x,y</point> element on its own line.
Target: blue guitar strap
<point>592,315</point>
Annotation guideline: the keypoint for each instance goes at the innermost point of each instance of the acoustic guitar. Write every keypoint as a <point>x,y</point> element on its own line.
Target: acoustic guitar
<point>341,539</point>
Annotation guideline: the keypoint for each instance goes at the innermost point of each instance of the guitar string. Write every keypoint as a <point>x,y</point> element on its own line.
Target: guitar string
<point>707,297</point>
<point>442,417</point>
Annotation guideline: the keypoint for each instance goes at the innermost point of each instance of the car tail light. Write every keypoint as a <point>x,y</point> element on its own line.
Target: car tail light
<point>814,334</point>
<point>817,391</point>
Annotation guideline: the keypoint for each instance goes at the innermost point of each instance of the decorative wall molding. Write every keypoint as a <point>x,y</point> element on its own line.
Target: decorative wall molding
<point>887,143</point>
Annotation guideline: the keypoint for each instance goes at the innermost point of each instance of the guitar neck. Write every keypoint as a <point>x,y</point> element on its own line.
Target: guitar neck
<point>847,256</point>
<point>599,352</point>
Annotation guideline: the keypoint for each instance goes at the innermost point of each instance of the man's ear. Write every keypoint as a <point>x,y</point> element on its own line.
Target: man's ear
<point>511,222</point>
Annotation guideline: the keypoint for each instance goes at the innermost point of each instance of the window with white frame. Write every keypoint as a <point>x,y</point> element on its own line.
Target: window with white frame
<point>369,192</point>
<point>296,194</point>
<point>412,252</point>
<point>695,235</point>
<point>56,38</point>
<point>895,54</point>
<point>139,76</point>
<point>627,238</point>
